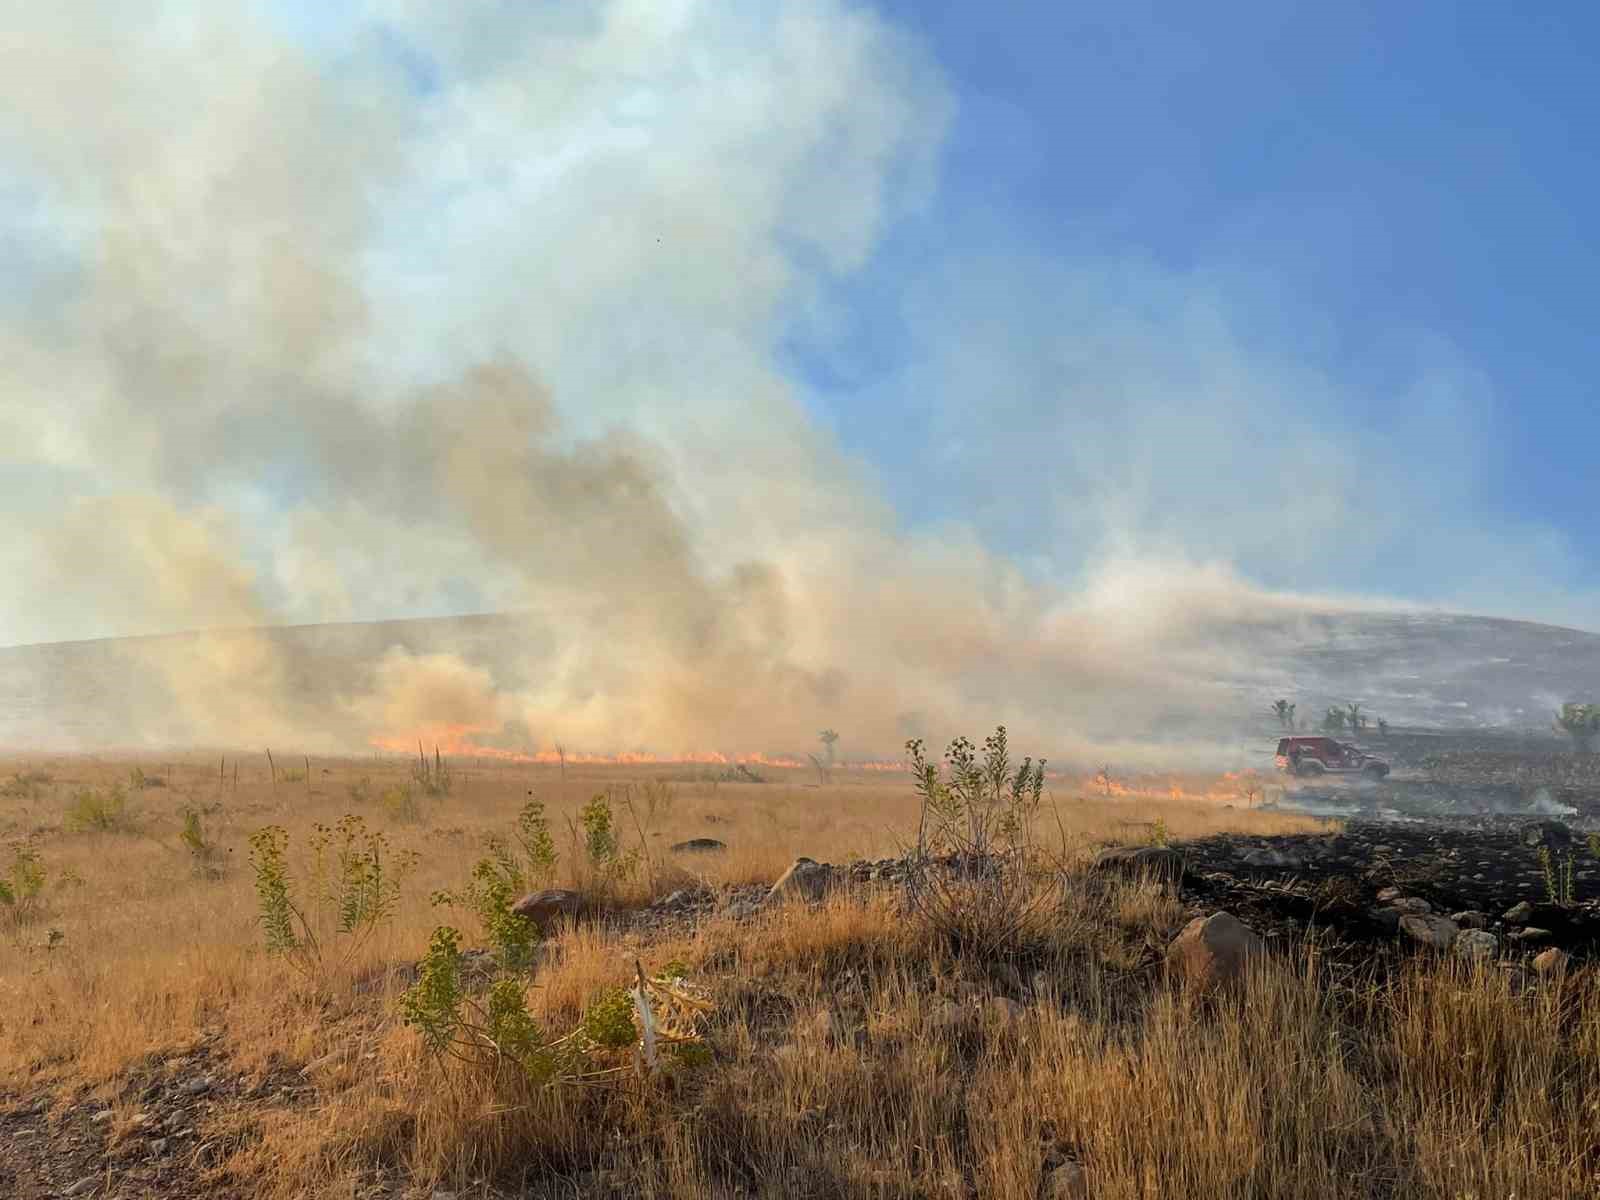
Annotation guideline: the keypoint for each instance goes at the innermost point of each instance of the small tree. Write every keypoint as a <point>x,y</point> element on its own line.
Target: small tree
<point>1334,721</point>
<point>1354,719</point>
<point>1284,712</point>
<point>1580,722</point>
<point>828,737</point>
<point>1383,728</point>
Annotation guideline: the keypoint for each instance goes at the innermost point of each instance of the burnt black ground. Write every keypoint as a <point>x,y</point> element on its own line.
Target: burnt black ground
<point>1328,884</point>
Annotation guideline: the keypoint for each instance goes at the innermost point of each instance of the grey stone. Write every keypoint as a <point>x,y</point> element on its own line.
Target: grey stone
<point>699,845</point>
<point>545,908</point>
<point>1471,919</point>
<point>1437,932</point>
<point>1519,914</point>
<point>1213,951</point>
<point>805,879</point>
<point>1476,944</point>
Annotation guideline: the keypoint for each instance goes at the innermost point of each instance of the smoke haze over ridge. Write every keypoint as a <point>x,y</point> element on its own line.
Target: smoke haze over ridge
<point>432,310</point>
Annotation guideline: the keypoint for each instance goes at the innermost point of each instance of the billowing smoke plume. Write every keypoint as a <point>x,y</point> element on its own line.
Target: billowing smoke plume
<point>432,309</point>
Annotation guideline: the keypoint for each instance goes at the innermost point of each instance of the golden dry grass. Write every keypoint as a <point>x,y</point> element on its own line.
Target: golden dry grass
<point>854,1056</point>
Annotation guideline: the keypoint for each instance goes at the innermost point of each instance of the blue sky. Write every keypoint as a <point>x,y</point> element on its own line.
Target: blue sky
<point>1385,181</point>
<point>1292,294</point>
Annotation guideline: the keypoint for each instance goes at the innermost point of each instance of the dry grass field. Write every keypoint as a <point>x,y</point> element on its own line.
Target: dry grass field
<point>852,1049</point>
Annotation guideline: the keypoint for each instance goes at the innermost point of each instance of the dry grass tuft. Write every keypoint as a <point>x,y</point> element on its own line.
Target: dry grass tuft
<point>854,1052</point>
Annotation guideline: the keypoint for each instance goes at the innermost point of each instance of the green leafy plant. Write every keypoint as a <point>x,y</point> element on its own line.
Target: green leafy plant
<point>98,812</point>
<point>21,888</point>
<point>969,875</point>
<point>193,837</point>
<point>351,887</point>
<point>512,867</point>
<point>1559,883</point>
<point>616,1026</point>
<point>1158,832</point>
<point>602,861</point>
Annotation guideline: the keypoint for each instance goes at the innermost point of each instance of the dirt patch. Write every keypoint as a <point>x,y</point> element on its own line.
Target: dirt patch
<point>162,1131</point>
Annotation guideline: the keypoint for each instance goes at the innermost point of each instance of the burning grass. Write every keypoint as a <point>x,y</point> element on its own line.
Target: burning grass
<point>853,1052</point>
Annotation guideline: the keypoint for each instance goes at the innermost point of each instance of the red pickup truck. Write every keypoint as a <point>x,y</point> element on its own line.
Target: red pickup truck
<point>1324,756</point>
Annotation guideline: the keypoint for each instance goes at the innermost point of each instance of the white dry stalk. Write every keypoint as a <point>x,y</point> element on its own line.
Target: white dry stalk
<point>647,1021</point>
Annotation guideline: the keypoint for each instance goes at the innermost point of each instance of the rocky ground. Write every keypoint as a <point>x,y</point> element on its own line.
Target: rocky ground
<point>176,1117</point>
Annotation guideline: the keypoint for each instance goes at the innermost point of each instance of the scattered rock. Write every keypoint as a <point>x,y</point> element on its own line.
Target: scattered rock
<point>806,879</point>
<point>196,1087</point>
<point>1140,862</point>
<point>1532,936</point>
<point>1550,962</point>
<point>84,1186</point>
<point>101,1117</point>
<point>699,845</point>
<point>1389,895</point>
<point>1471,919</point>
<point>546,907</point>
<point>1476,944</point>
<point>1213,950</point>
<point>1437,932</point>
<point>1519,914</point>
<point>742,910</point>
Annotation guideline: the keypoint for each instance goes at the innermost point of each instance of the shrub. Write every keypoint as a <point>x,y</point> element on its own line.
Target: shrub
<point>352,886</point>
<point>192,837</point>
<point>510,869</point>
<point>602,862</point>
<point>138,780</point>
<point>617,1025</point>
<point>24,785</point>
<point>970,877</point>
<point>361,790</point>
<point>21,887</point>
<point>99,812</point>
